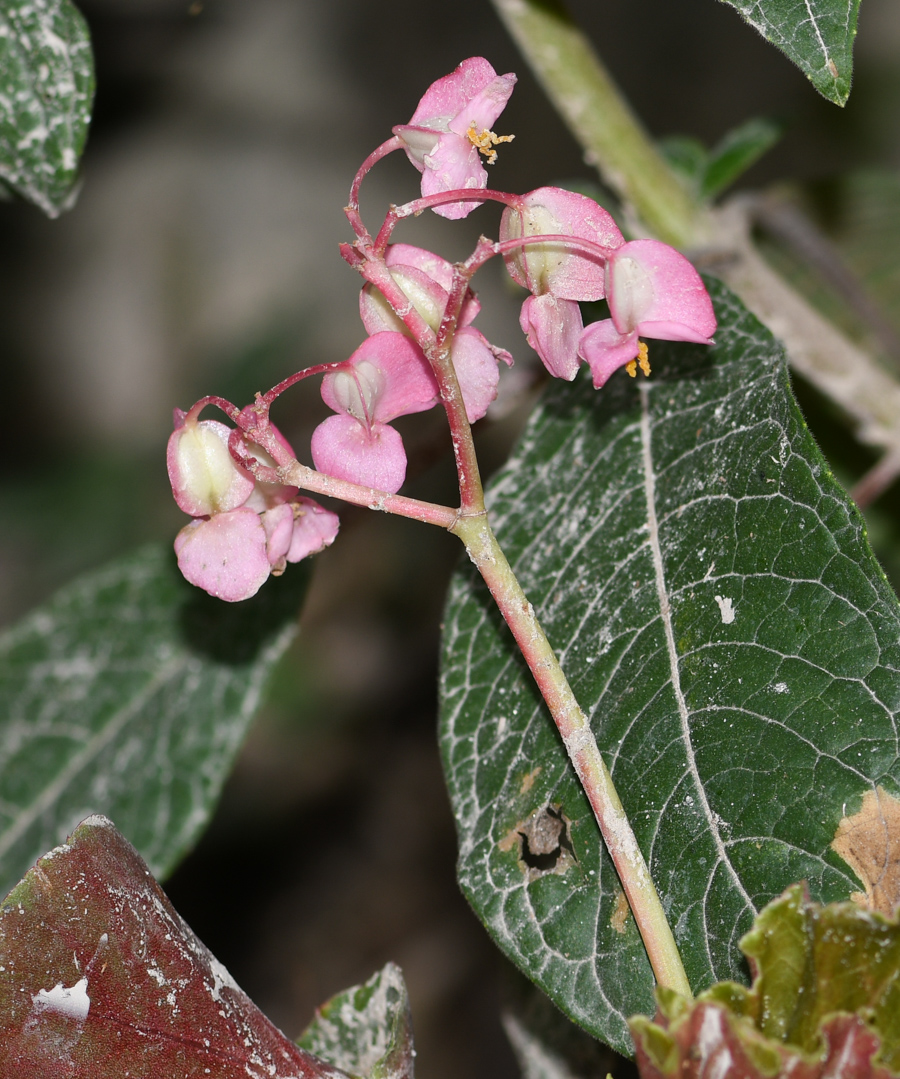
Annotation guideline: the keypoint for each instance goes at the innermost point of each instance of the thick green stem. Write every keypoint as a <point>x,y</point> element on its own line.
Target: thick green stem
<point>578,84</point>
<point>578,738</point>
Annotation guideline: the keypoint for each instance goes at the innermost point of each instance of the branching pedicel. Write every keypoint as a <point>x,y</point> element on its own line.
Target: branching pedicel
<point>241,484</point>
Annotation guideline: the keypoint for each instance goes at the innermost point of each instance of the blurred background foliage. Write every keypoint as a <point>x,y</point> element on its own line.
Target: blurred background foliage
<point>201,257</point>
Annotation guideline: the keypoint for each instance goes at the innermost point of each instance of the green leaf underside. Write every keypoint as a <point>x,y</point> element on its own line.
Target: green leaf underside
<point>47,80</point>
<point>129,694</point>
<point>825,1000</point>
<point>816,35</point>
<point>100,979</point>
<point>366,1030</point>
<point>736,650</point>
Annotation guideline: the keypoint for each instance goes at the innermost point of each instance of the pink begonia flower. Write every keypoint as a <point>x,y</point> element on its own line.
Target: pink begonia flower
<point>557,275</point>
<point>451,127</point>
<point>568,273</point>
<point>243,529</point>
<point>386,377</point>
<point>426,279</point>
<point>652,291</point>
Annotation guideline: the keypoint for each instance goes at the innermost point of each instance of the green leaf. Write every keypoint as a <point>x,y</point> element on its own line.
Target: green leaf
<point>825,1001</point>
<point>740,149</point>
<point>816,35</point>
<point>718,611</point>
<point>366,1030</point>
<point>709,172</point>
<point>129,693</point>
<point>688,156</point>
<point>45,105</point>
<point>100,979</point>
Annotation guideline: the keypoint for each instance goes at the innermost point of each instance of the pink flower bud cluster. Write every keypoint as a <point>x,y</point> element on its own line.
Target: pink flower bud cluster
<point>388,375</point>
<point>243,529</point>
<point>652,290</point>
<point>562,247</point>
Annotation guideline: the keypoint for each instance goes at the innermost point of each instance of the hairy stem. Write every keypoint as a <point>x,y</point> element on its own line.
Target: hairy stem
<point>578,738</point>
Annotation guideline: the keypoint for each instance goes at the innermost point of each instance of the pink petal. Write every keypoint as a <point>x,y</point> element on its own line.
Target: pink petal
<point>315,529</point>
<point>553,327</point>
<point>454,164</point>
<point>405,382</point>
<point>652,286</point>
<point>605,350</point>
<point>204,476</point>
<point>426,295</point>
<point>226,555</point>
<point>342,447</point>
<point>482,111</point>
<point>476,371</point>
<point>418,142</point>
<point>278,524</point>
<point>437,268</point>
<point>552,267</point>
<point>447,97</point>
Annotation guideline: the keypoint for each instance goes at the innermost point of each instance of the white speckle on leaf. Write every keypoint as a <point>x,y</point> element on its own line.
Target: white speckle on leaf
<point>73,1001</point>
<point>221,978</point>
<point>726,609</point>
<point>781,687</point>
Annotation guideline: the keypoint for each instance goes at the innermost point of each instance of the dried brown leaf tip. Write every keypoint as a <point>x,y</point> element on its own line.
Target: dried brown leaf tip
<point>869,842</point>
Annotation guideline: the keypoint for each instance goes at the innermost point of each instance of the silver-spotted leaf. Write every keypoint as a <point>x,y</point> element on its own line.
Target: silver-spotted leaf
<point>47,81</point>
<point>713,599</point>
<point>366,1030</point>
<point>129,694</point>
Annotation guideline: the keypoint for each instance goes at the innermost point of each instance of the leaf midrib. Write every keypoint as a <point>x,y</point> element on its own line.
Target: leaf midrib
<point>665,611</point>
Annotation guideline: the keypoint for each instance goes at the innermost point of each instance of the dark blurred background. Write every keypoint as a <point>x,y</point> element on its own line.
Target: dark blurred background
<point>201,257</point>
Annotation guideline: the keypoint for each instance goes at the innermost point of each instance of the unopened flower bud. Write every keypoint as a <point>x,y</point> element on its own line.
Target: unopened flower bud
<point>204,476</point>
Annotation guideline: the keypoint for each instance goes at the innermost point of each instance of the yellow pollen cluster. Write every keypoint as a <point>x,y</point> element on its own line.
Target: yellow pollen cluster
<point>486,141</point>
<point>641,360</point>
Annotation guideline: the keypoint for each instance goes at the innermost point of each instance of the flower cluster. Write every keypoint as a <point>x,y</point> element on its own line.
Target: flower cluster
<point>243,530</point>
<point>418,312</point>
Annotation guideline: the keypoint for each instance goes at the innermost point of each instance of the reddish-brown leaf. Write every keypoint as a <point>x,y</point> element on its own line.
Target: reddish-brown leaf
<point>101,979</point>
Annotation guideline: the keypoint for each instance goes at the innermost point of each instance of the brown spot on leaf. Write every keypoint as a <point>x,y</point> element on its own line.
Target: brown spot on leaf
<point>869,842</point>
<point>832,68</point>
<point>620,913</point>
<point>528,780</point>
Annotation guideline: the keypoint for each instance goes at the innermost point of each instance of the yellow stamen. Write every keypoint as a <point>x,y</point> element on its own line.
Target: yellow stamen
<point>641,361</point>
<point>486,140</point>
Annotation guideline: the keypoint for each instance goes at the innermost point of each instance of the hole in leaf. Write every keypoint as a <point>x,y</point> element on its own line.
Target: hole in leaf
<point>544,842</point>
